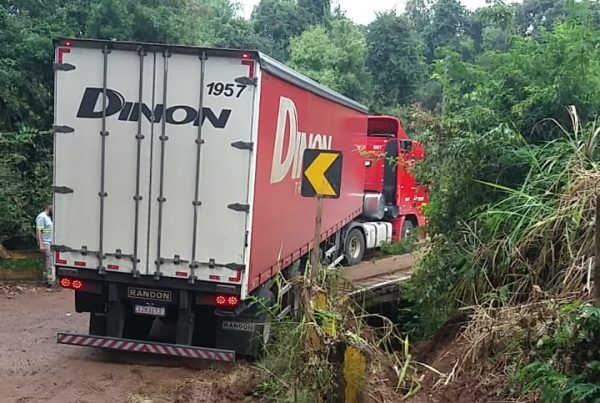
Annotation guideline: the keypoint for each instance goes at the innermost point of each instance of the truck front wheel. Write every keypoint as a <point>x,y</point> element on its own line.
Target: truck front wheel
<point>354,248</point>
<point>407,227</point>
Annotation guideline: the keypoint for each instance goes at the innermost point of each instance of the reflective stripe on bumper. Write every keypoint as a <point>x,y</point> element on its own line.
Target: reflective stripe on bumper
<point>114,343</point>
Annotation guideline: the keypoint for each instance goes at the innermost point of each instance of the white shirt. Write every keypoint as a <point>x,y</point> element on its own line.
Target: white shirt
<point>43,223</point>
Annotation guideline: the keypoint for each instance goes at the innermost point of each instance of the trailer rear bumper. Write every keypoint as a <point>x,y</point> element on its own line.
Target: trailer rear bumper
<point>114,343</point>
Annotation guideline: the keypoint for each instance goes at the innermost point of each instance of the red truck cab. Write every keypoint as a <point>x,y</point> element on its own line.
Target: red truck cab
<point>390,161</point>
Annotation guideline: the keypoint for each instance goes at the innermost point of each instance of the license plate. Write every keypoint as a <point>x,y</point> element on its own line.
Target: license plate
<point>150,310</point>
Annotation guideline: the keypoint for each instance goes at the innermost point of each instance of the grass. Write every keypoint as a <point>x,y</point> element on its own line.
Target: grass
<point>405,245</point>
<point>541,235</point>
<point>305,361</point>
<point>19,264</point>
<point>517,263</point>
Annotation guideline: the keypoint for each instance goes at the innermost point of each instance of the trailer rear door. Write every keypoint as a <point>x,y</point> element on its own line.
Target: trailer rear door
<point>141,184</point>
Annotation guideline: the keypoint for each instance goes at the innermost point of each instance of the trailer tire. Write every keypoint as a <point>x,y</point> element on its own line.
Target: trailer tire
<point>354,247</point>
<point>407,227</point>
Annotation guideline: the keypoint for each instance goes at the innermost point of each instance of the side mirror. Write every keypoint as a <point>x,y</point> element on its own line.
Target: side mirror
<point>406,146</point>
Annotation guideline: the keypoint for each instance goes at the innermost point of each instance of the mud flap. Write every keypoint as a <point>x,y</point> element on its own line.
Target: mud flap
<point>249,332</point>
<point>246,335</point>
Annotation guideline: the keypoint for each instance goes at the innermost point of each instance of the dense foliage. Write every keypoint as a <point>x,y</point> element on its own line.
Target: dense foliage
<point>505,128</point>
<point>566,363</point>
<point>514,166</point>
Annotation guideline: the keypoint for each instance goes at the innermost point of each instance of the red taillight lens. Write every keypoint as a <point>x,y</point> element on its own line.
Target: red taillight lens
<point>72,283</point>
<point>233,300</point>
<point>245,55</point>
<point>67,43</point>
<point>229,301</point>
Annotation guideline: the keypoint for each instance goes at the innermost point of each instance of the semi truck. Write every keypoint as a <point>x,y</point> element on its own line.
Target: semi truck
<point>177,176</point>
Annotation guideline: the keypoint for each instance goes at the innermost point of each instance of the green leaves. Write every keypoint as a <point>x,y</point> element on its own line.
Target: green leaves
<point>395,59</point>
<point>25,179</point>
<point>566,367</point>
<point>335,57</point>
<point>533,80</point>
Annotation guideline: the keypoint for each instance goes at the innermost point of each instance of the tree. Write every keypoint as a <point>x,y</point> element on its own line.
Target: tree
<point>533,80</point>
<point>200,22</point>
<point>534,15</point>
<point>492,27</point>
<point>395,59</point>
<point>239,33</point>
<point>449,23</point>
<point>334,57</point>
<point>276,21</point>
<point>315,12</point>
<point>25,180</point>
<point>418,13</point>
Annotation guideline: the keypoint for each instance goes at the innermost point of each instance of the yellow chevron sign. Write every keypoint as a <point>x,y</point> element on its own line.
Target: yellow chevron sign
<point>322,173</point>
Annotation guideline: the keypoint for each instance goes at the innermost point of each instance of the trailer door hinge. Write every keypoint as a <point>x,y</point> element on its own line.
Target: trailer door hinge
<point>212,264</point>
<point>62,189</point>
<point>63,66</point>
<point>243,145</point>
<point>239,207</point>
<point>247,80</point>
<point>62,129</point>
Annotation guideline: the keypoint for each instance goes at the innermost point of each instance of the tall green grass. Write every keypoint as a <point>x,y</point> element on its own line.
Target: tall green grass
<point>539,239</point>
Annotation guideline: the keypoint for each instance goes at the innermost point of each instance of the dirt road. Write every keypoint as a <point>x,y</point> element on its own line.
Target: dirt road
<point>380,270</point>
<point>33,368</point>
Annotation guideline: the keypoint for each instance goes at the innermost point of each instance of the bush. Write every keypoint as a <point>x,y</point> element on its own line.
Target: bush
<point>566,367</point>
<point>25,181</point>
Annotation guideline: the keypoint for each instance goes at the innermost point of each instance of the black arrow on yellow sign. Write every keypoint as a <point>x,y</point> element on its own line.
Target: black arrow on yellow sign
<point>322,173</point>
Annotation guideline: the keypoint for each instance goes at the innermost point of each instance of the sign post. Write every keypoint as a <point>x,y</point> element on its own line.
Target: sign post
<point>322,178</point>
<point>314,255</point>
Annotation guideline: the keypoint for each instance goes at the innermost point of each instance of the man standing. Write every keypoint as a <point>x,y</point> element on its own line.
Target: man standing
<point>44,229</point>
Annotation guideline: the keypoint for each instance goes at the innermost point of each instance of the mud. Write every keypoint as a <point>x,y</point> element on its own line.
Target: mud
<point>34,368</point>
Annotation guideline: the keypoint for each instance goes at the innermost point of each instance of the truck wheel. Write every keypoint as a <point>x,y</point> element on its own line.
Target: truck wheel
<point>354,249</point>
<point>97,324</point>
<point>407,227</point>
<point>137,326</point>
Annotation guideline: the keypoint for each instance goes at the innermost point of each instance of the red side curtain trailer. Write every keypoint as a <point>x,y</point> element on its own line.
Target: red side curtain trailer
<point>177,175</point>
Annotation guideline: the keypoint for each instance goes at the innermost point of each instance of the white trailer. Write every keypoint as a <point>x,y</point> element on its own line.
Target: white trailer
<point>175,181</point>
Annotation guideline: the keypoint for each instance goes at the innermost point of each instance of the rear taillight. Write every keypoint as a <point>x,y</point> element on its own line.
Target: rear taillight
<point>72,283</point>
<point>227,301</point>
